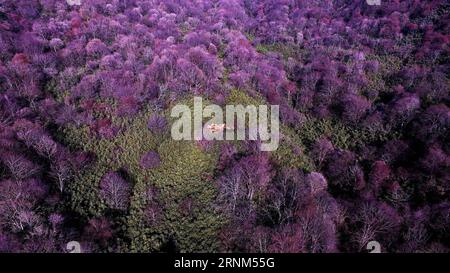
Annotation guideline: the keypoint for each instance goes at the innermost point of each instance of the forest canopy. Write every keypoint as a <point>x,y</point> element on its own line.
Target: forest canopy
<point>86,155</point>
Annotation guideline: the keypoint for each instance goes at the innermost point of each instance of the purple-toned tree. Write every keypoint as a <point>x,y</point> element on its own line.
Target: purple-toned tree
<point>150,160</point>
<point>115,191</point>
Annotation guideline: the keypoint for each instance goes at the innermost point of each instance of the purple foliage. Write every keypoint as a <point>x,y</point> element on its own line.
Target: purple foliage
<point>115,191</point>
<point>372,81</point>
<point>157,124</point>
<point>150,160</point>
<point>242,183</point>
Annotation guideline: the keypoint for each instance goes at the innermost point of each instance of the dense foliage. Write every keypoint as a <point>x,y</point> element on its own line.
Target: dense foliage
<point>86,89</point>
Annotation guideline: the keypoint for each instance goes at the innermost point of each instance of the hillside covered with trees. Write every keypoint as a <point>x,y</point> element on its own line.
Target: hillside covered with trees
<point>86,153</point>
